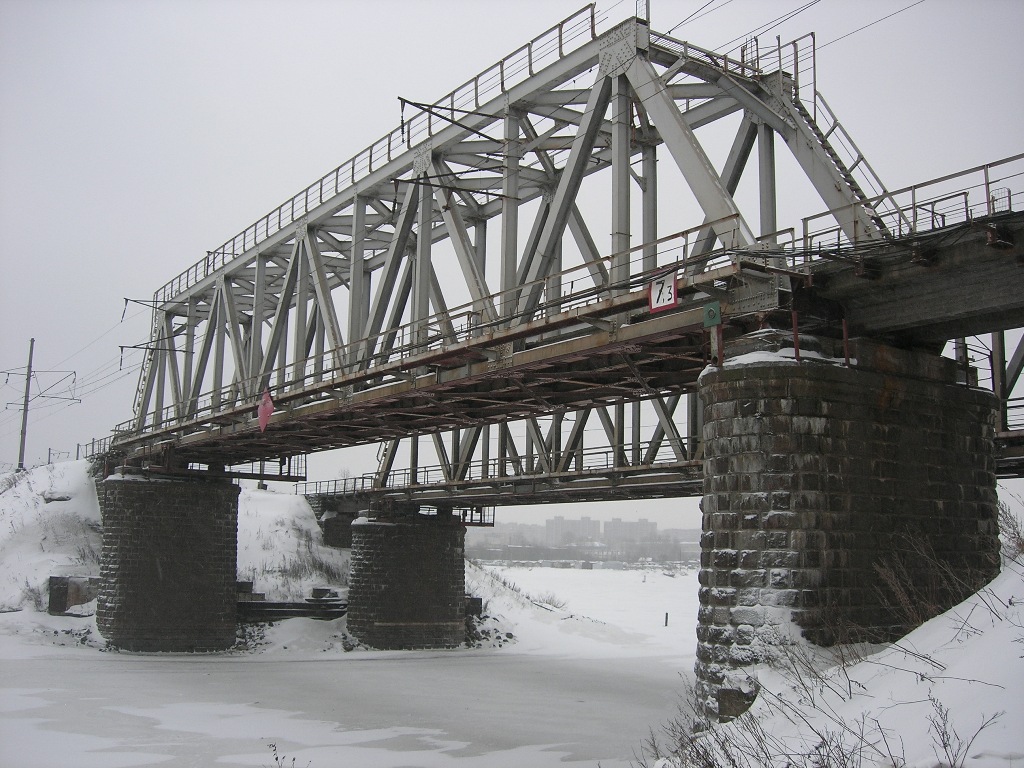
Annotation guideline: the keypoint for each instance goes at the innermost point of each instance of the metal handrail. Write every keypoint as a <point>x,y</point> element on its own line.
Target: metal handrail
<point>554,43</point>
<point>93,448</point>
<point>909,211</point>
<point>587,461</point>
<point>846,142</point>
<point>713,59</point>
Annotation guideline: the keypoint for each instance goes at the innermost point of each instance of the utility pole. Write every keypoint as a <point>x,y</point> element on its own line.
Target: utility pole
<point>24,408</point>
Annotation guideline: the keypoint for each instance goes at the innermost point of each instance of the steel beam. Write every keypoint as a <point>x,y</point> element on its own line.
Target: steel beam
<point>693,163</point>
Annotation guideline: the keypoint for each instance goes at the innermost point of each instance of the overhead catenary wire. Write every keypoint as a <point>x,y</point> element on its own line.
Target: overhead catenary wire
<point>58,407</point>
<point>769,25</point>
<point>691,16</point>
<point>807,55</point>
<point>84,385</point>
<point>876,21</point>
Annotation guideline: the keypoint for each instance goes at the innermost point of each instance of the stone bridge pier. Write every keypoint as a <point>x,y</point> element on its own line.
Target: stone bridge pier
<point>336,515</point>
<point>820,477</point>
<point>168,567</point>
<point>408,581</point>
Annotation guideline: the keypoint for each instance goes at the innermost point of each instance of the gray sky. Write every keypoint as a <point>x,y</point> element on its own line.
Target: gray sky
<point>137,134</point>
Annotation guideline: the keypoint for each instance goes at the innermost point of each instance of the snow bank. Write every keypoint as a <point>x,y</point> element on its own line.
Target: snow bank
<point>281,550</point>
<point>947,694</point>
<point>591,613</point>
<point>49,526</point>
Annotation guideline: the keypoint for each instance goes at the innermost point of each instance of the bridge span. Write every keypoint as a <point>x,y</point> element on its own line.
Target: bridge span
<point>445,286</point>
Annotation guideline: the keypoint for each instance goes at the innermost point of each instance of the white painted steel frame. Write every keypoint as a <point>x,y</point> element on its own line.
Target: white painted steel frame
<point>270,315</point>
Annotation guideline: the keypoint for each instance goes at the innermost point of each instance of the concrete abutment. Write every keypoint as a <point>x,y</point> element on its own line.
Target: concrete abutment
<point>408,581</point>
<point>820,479</point>
<point>168,568</point>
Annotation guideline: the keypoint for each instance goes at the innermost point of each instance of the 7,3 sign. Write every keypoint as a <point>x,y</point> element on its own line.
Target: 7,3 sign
<point>661,293</point>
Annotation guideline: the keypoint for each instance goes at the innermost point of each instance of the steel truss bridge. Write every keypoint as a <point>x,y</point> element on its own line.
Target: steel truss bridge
<point>445,290</point>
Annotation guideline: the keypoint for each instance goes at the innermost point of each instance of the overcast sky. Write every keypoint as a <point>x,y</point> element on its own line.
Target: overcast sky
<point>137,134</point>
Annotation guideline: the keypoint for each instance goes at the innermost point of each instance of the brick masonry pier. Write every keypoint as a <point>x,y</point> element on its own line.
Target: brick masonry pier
<point>408,582</point>
<point>168,569</point>
<point>818,477</point>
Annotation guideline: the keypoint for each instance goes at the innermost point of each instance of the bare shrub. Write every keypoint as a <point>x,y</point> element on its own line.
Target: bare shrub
<point>1011,533</point>
<point>310,565</point>
<point>945,738</point>
<point>690,741</point>
<point>280,761</point>
<point>550,599</point>
<point>12,479</point>
<point>917,585</point>
<point>34,595</point>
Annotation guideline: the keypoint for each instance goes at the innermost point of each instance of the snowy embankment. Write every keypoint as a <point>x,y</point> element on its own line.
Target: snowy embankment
<point>49,526</point>
<point>592,613</point>
<point>281,550</point>
<point>949,694</point>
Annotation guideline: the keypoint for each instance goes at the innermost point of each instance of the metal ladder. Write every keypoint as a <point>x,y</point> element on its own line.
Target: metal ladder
<point>880,203</point>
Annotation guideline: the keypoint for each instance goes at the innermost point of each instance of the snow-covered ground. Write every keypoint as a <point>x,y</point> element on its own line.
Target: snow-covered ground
<point>49,526</point>
<point>949,694</point>
<point>280,547</point>
<point>574,667</point>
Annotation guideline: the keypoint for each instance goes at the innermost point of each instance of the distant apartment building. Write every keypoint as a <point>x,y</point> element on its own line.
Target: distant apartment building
<point>562,540</point>
<point>617,531</point>
<point>559,531</point>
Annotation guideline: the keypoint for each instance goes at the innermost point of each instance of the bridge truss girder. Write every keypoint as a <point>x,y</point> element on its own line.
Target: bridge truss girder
<point>394,266</point>
<point>626,450</point>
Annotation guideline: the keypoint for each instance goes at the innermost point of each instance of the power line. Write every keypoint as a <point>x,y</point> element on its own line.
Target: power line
<point>876,21</point>
<point>58,408</point>
<point>770,25</point>
<point>681,23</point>
<point>110,330</point>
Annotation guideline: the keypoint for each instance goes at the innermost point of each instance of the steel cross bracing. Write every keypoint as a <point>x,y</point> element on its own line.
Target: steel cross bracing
<point>385,301</point>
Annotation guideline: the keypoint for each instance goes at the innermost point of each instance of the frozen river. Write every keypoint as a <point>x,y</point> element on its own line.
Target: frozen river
<point>492,708</point>
<point>580,685</point>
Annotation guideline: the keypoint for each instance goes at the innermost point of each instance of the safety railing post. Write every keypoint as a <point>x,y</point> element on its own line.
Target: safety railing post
<point>988,191</point>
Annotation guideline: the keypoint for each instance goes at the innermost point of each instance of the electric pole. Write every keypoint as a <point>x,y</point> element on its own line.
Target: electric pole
<point>24,409</point>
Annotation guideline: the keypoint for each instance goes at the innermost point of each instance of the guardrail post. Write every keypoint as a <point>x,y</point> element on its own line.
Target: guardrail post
<point>988,192</point>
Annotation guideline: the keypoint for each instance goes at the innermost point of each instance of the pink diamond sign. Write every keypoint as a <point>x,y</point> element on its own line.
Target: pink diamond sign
<point>265,409</point>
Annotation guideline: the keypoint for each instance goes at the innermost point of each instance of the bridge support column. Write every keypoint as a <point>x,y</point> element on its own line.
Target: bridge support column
<point>168,569</point>
<point>335,515</point>
<point>820,478</point>
<point>408,582</point>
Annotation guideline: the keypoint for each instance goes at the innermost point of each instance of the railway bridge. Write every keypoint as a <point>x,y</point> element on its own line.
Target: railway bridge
<point>444,290</point>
